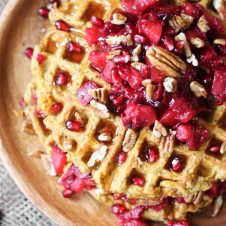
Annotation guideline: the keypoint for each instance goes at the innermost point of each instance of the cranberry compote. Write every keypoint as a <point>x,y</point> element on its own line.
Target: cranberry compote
<point>142,90</point>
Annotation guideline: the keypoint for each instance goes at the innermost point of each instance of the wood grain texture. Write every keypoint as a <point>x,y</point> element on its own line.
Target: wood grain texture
<point>21,27</point>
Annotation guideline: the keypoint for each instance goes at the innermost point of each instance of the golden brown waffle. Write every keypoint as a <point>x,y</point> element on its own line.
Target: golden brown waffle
<point>201,167</point>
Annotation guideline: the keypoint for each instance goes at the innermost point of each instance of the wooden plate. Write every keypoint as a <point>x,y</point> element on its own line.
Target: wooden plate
<point>21,27</point>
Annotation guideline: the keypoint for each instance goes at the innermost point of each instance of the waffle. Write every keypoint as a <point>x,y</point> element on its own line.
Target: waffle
<point>201,168</point>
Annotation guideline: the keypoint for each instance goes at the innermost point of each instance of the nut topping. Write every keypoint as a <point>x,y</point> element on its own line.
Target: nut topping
<point>137,65</point>
<point>220,41</point>
<point>129,140</point>
<point>180,23</point>
<point>218,203</point>
<point>150,88</point>
<point>101,107</point>
<point>170,84</point>
<point>136,52</point>
<point>159,130</point>
<point>220,6</point>
<point>197,42</point>
<point>104,137</point>
<point>100,94</point>
<point>120,39</point>
<point>118,19</point>
<point>193,60</point>
<point>223,148</point>
<point>203,24</point>
<point>166,61</point>
<point>97,156</point>
<point>112,54</point>
<point>198,89</point>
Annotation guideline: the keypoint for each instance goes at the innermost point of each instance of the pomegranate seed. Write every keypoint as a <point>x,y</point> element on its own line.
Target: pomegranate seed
<point>139,181</point>
<point>62,26</point>
<point>176,164</point>
<point>43,12</point>
<point>56,108</point>
<point>73,47</point>
<point>97,21</point>
<point>140,39</point>
<point>68,193</point>
<point>121,59</point>
<point>29,52</point>
<point>177,223</point>
<point>61,79</point>
<point>40,58</point>
<point>153,155</point>
<point>215,149</point>
<point>40,114</point>
<point>121,158</point>
<point>118,209</point>
<point>73,125</point>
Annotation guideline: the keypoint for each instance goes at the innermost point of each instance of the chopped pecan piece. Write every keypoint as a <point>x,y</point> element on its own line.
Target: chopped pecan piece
<point>120,39</point>
<point>223,148</point>
<point>150,88</point>
<point>197,42</point>
<point>159,130</point>
<point>118,19</point>
<point>137,65</point>
<point>203,24</point>
<point>220,41</point>
<point>129,140</point>
<point>170,84</point>
<point>220,6</point>
<point>101,107</point>
<point>166,61</point>
<point>112,54</point>
<point>105,137</point>
<point>180,23</point>
<point>97,156</point>
<point>136,52</point>
<point>100,94</point>
<point>198,89</point>
<point>218,203</point>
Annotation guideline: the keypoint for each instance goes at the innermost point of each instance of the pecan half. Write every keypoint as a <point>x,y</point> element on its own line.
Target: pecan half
<point>166,61</point>
<point>129,140</point>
